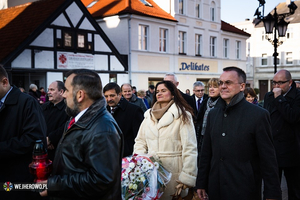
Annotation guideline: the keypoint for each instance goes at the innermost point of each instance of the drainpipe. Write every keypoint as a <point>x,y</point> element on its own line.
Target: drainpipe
<point>129,45</point>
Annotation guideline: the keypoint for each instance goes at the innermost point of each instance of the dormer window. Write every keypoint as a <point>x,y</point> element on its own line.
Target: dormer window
<point>146,3</point>
<point>92,4</point>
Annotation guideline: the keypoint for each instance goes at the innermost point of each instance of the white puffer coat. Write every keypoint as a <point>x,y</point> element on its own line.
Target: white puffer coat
<point>174,142</point>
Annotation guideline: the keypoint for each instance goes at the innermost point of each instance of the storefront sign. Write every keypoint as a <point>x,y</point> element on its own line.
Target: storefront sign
<point>75,61</point>
<point>197,65</point>
<point>194,66</point>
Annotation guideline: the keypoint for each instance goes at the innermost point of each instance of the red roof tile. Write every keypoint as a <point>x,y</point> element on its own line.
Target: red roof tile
<point>117,7</point>
<point>18,23</point>
<point>228,27</point>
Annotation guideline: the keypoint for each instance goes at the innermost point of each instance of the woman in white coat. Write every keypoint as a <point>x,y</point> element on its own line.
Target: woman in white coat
<point>168,132</point>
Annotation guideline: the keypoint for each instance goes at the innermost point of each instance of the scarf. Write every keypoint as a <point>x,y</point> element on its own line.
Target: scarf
<point>210,105</point>
<point>159,111</point>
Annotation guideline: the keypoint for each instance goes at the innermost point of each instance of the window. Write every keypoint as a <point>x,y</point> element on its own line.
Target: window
<point>181,7</point>
<point>264,59</point>
<point>92,4</point>
<point>81,40</point>
<point>238,49</point>
<point>198,44</point>
<point>289,33</point>
<point>181,40</point>
<point>264,36</point>
<point>289,58</point>
<point>212,12</point>
<point>143,37</point>
<point>198,10</point>
<point>212,46</point>
<point>226,48</point>
<point>163,39</point>
<point>68,39</point>
<point>146,3</point>
<point>277,61</point>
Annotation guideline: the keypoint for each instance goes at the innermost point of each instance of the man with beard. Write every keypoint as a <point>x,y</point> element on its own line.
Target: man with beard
<point>120,110</point>
<point>55,115</point>
<point>87,162</point>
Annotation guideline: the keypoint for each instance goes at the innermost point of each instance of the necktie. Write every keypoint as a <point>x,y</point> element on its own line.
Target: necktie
<point>112,110</point>
<point>71,122</point>
<point>198,104</point>
<point>1,104</point>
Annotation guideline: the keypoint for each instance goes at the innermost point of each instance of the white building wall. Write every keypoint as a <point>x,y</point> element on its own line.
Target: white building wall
<point>259,45</point>
<point>53,76</point>
<point>148,64</point>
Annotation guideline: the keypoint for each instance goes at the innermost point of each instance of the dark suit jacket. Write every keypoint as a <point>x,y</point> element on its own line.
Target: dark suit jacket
<point>56,118</point>
<point>188,99</point>
<point>205,96</point>
<point>21,124</point>
<point>285,123</point>
<point>129,118</point>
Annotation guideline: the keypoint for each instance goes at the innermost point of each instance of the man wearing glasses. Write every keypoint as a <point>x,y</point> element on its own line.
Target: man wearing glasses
<point>237,150</point>
<point>199,95</point>
<point>283,103</point>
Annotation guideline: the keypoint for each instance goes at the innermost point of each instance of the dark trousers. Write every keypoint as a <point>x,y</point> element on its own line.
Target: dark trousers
<point>292,176</point>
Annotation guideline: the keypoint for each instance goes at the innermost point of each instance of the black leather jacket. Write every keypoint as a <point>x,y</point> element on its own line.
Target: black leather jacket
<point>87,162</point>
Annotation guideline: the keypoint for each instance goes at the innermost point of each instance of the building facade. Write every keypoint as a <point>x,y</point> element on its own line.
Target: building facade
<point>260,50</point>
<point>41,41</point>
<point>185,37</point>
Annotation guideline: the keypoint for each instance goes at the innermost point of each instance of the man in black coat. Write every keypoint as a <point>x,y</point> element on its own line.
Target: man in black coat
<point>198,96</point>
<point>55,115</point>
<point>21,124</point>
<point>128,116</point>
<point>283,103</point>
<point>237,151</point>
<point>88,158</point>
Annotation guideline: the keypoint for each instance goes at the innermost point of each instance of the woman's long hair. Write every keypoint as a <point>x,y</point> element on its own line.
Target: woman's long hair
<point>179,101</point>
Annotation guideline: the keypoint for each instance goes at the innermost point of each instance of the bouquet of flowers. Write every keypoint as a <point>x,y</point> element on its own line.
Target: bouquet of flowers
<point>143,178</point>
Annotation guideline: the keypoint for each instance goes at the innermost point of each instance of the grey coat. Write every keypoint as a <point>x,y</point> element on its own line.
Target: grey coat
<point>138,101</point>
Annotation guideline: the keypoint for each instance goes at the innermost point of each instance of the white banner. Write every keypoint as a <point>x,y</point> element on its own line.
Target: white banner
<point>75,61</point>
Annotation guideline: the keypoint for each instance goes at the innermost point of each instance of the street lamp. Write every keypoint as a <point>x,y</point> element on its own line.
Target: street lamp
<point>273,24</point>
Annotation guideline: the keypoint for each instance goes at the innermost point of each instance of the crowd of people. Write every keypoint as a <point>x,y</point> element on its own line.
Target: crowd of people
<point>222,145</point>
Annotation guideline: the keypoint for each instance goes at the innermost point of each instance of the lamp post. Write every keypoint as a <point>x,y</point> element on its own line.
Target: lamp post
<point>274,23</point>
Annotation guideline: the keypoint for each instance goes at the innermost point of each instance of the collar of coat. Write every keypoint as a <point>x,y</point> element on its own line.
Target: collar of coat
<point>13,96</point>
<point>59,106</point>
<point>133,98</point>
<point>91,112</point>
<point>121,105</point>
<point>235,100</point>
<point>172,114</point>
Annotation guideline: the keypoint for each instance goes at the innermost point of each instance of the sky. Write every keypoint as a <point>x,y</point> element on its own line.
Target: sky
<point>238,10</point>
